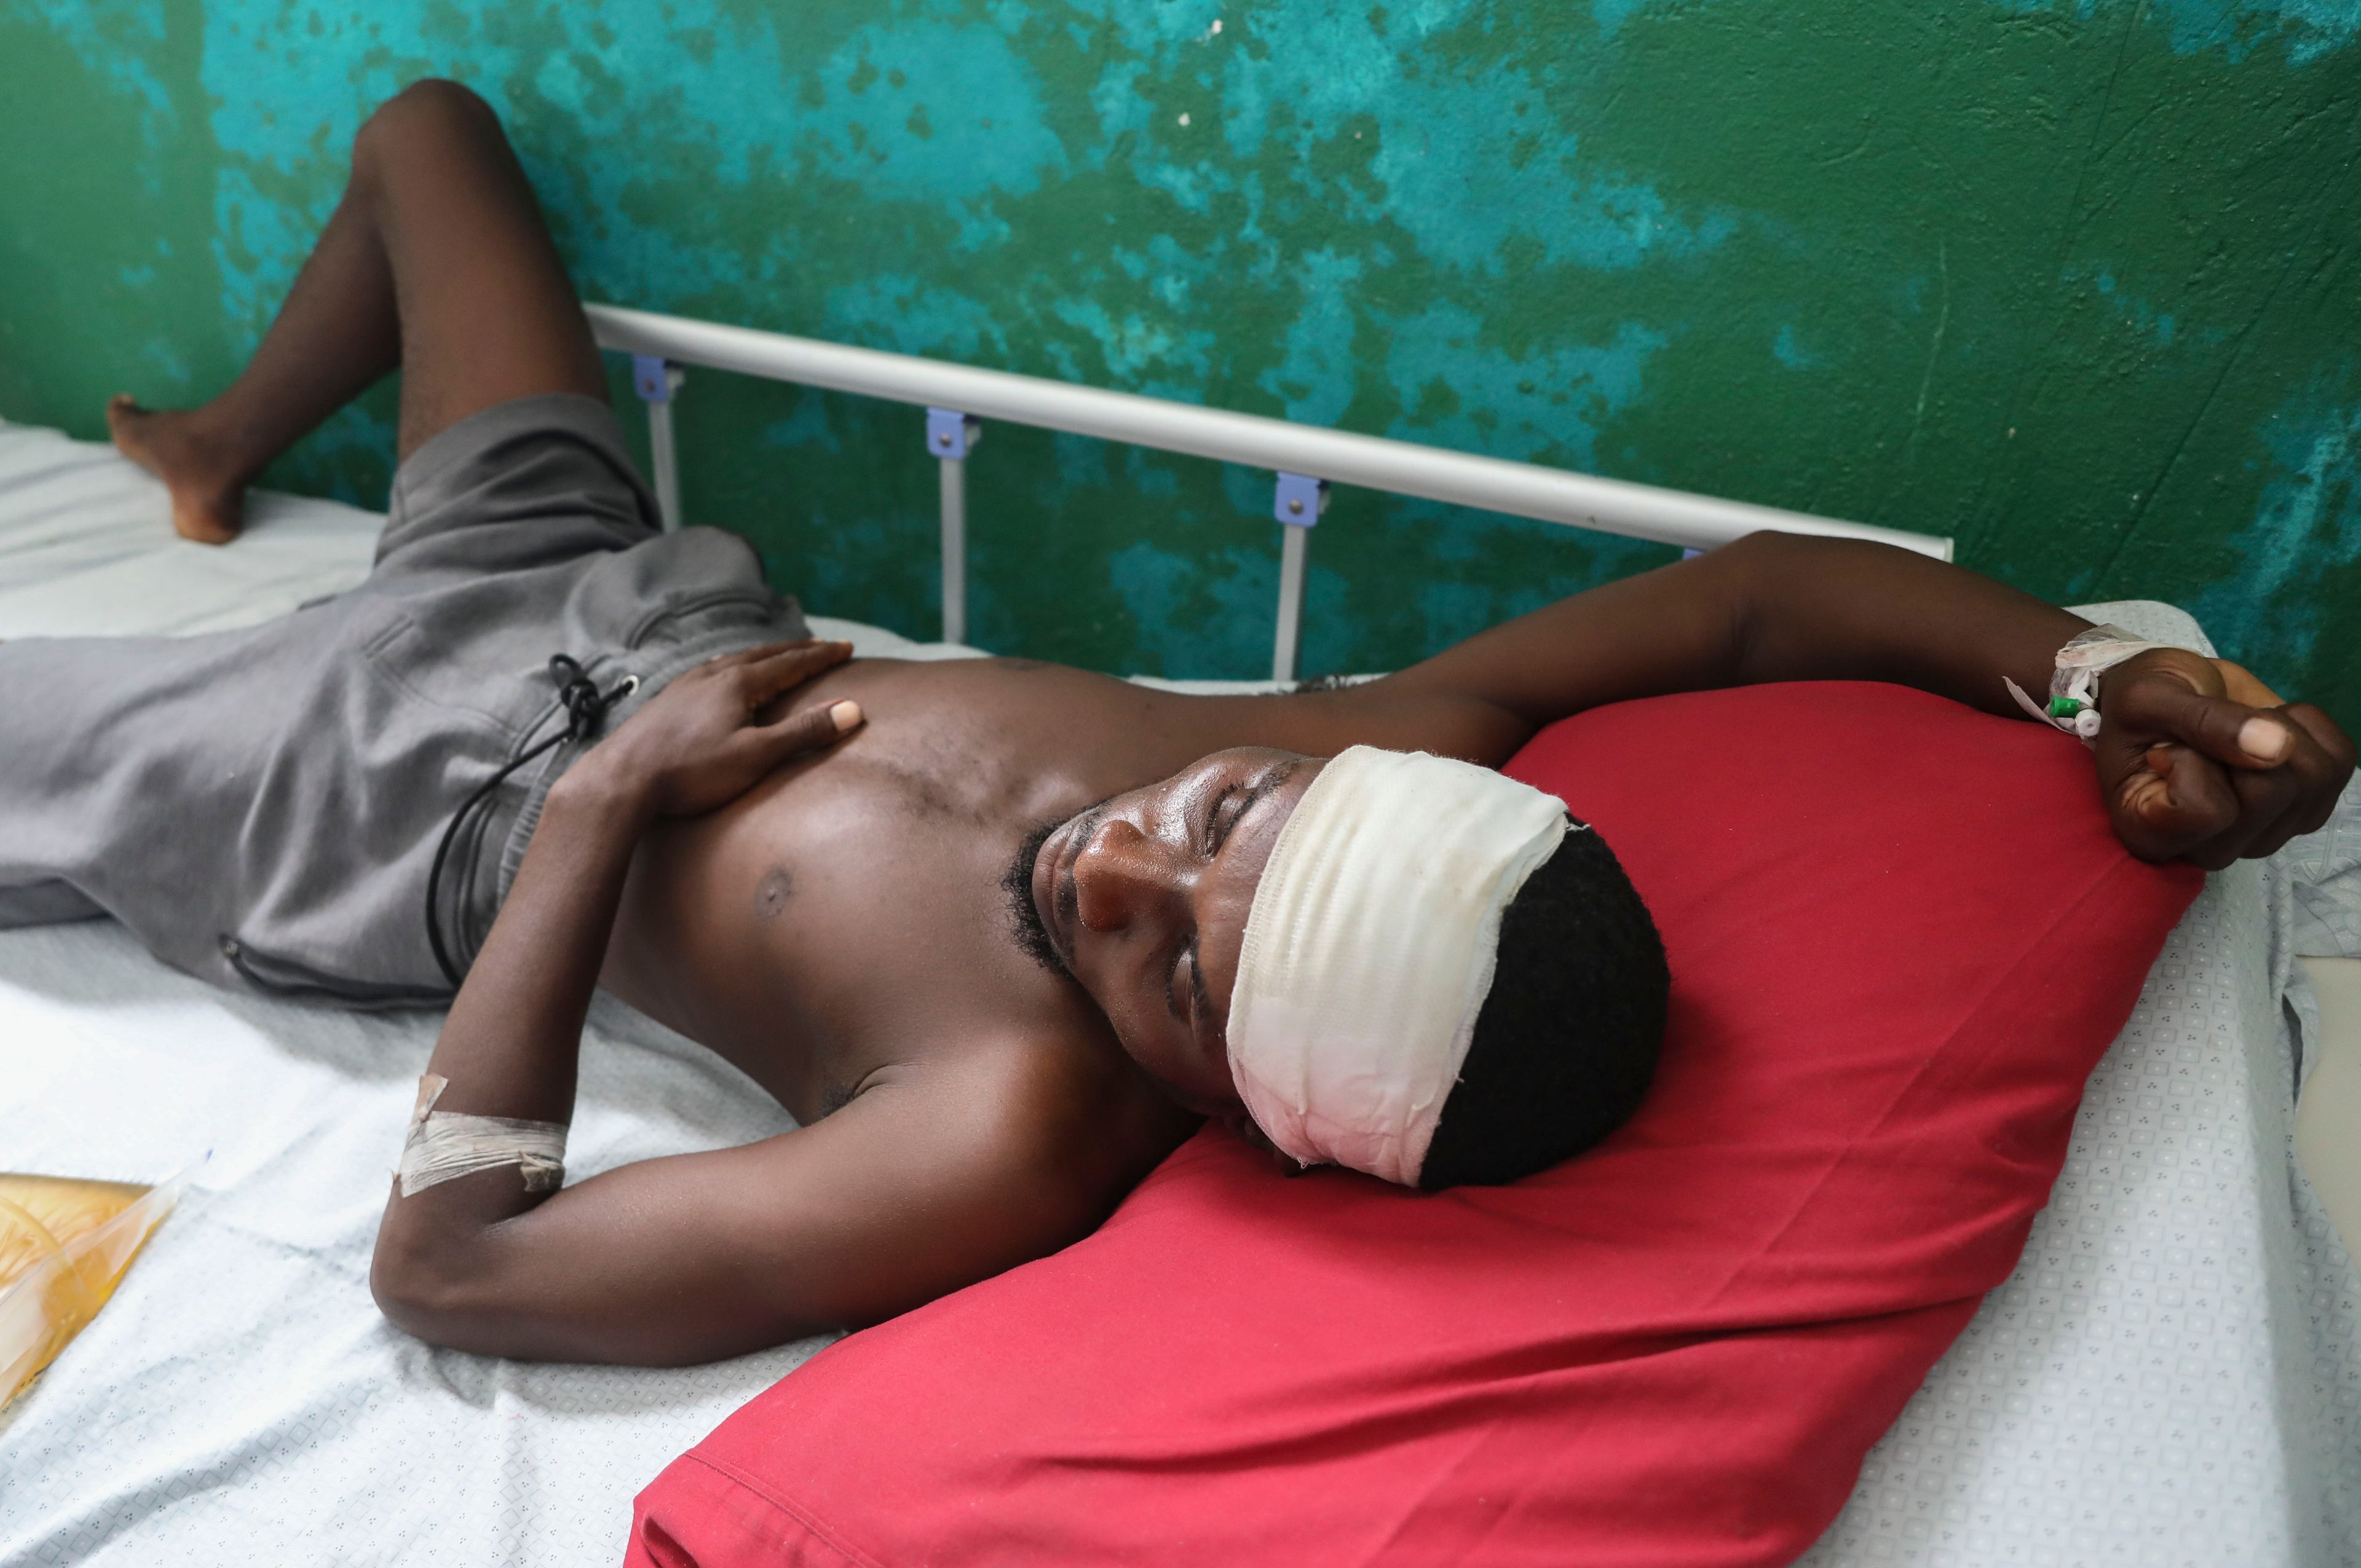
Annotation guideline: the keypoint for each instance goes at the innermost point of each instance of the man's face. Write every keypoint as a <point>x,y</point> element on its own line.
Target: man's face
<point>1143,900</point>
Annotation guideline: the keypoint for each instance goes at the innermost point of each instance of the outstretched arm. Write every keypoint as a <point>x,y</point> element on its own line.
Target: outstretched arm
<point>2185,769</point>
<point>918,1187</point>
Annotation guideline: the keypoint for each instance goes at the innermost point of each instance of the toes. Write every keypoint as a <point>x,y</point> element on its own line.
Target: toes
<point>206,507</point>
<point>203,529</point>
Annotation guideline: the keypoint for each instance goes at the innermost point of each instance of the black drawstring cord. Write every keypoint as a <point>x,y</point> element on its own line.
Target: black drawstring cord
<point>586,708</point>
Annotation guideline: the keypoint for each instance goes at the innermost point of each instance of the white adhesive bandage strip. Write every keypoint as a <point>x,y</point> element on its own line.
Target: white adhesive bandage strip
<point>1370,949</point>
<point>2074,682</point>
<point>443,1147</point>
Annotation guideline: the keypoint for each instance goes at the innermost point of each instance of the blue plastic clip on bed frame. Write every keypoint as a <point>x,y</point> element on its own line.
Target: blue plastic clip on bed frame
<point>951,436</point>
<point>649,378</point>
<point>656,380</point>
<point>1301,500</point>
<point>1297,502</point>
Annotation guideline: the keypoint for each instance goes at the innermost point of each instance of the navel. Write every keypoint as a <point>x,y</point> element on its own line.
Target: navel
<point>772,897</point>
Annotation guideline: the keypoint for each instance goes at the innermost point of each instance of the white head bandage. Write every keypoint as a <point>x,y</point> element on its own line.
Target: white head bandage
<point>443,1146</point>
<point>1370,951</point>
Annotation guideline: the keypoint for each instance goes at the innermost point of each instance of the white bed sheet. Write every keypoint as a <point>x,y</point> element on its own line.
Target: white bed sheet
<point>2171,1375</point>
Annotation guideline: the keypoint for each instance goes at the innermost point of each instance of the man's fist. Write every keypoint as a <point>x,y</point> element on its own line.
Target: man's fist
<point>2199,761</point>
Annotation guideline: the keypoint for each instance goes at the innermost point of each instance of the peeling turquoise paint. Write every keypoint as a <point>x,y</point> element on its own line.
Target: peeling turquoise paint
<point>910,315</point>
<point>2140,315</point>
<point>871,123</point>
<point>1788,351</point>
<point>2309,521</point>
<point>117,38</point>
<point>808,427</point>
<point>2071,280</point>
<point>2307,28</point>
<point>1157,586</point>
<point>1457,391</point>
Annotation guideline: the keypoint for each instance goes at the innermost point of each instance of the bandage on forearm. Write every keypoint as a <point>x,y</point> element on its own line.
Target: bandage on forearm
<point>443,1147</point>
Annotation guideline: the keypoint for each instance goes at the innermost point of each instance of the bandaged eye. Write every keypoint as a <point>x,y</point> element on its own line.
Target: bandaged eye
<point>1370,948</point>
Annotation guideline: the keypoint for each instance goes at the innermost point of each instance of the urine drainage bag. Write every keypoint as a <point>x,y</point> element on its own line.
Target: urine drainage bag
<point>64,1244</point>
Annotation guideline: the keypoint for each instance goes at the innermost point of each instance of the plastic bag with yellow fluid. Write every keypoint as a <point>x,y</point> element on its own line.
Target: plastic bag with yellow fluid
<point>64,1244</point>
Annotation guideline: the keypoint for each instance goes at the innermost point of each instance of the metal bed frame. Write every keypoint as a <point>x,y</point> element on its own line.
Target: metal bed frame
<point>1305,458</point>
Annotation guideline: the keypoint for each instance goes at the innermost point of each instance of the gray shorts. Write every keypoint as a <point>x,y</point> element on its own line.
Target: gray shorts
<point>262,806</point>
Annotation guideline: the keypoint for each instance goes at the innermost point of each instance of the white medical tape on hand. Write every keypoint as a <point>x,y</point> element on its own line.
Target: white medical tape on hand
<point>2074,682</point>
<point>443,1147</point>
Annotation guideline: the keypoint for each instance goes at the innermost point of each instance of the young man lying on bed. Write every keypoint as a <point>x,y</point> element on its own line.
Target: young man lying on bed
<point>998,934</point>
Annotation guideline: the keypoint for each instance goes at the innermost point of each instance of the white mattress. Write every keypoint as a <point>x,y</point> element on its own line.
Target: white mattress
<point>2171,1375</point>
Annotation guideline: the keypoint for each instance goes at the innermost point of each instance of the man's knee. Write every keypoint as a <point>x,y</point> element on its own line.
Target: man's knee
<point>434,112</point>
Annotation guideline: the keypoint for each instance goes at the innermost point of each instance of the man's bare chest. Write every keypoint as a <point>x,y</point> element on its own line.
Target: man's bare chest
<point>857,910</point>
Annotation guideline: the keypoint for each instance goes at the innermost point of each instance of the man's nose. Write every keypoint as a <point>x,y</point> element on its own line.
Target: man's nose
<point>1123,875</point>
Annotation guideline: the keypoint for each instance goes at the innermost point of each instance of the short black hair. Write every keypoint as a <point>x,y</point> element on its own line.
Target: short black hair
<point>1566,1040</point>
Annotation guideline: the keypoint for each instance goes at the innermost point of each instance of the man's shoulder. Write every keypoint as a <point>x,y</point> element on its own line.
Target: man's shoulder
<point>1051,1107</point>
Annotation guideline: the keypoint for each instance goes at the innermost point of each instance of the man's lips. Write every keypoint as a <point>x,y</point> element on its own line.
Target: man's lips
<point>1052,874</point>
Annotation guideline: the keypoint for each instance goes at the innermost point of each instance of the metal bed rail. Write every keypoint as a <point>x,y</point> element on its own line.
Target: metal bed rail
<point>1306,459</point>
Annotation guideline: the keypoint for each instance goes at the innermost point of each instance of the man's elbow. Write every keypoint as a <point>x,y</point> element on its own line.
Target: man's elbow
<point>1732,586</point>
<point>1772,587</point>
<point>404,1292</point>
<point>425,1292</point>
<point>1773,550</point>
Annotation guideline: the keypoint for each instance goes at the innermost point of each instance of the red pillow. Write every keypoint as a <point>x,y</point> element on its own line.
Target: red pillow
<point>1901,935</point>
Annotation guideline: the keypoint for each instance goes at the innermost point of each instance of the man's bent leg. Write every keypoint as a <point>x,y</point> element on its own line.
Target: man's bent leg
<point>486,311</point>
<point>436,259</point>
<point>265,809</point>
<point>334,336</point>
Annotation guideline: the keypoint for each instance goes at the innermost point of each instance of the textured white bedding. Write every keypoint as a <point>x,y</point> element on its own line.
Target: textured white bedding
<point>2171,1377</point>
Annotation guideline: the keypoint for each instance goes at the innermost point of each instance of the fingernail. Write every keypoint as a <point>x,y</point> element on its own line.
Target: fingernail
<point>845,714</point>
<point>2264,740</point>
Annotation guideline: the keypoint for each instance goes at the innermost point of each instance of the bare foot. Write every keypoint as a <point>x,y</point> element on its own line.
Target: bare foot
<point>208,499</point>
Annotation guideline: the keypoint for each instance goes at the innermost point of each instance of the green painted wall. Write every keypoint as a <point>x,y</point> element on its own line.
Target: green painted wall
<point>2075,282</point>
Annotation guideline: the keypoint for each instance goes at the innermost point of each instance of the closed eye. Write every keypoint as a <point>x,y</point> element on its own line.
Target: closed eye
<point>1222,825</point>
<point>1196,978</point>
<point>1218,825</point>
<point>1201,1003</point>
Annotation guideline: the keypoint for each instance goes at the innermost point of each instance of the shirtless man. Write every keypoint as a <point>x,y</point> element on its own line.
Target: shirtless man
<point>978,926</point>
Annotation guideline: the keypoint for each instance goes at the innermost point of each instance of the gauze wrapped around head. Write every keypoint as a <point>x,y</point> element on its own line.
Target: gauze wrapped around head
<point>1369,949</point>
